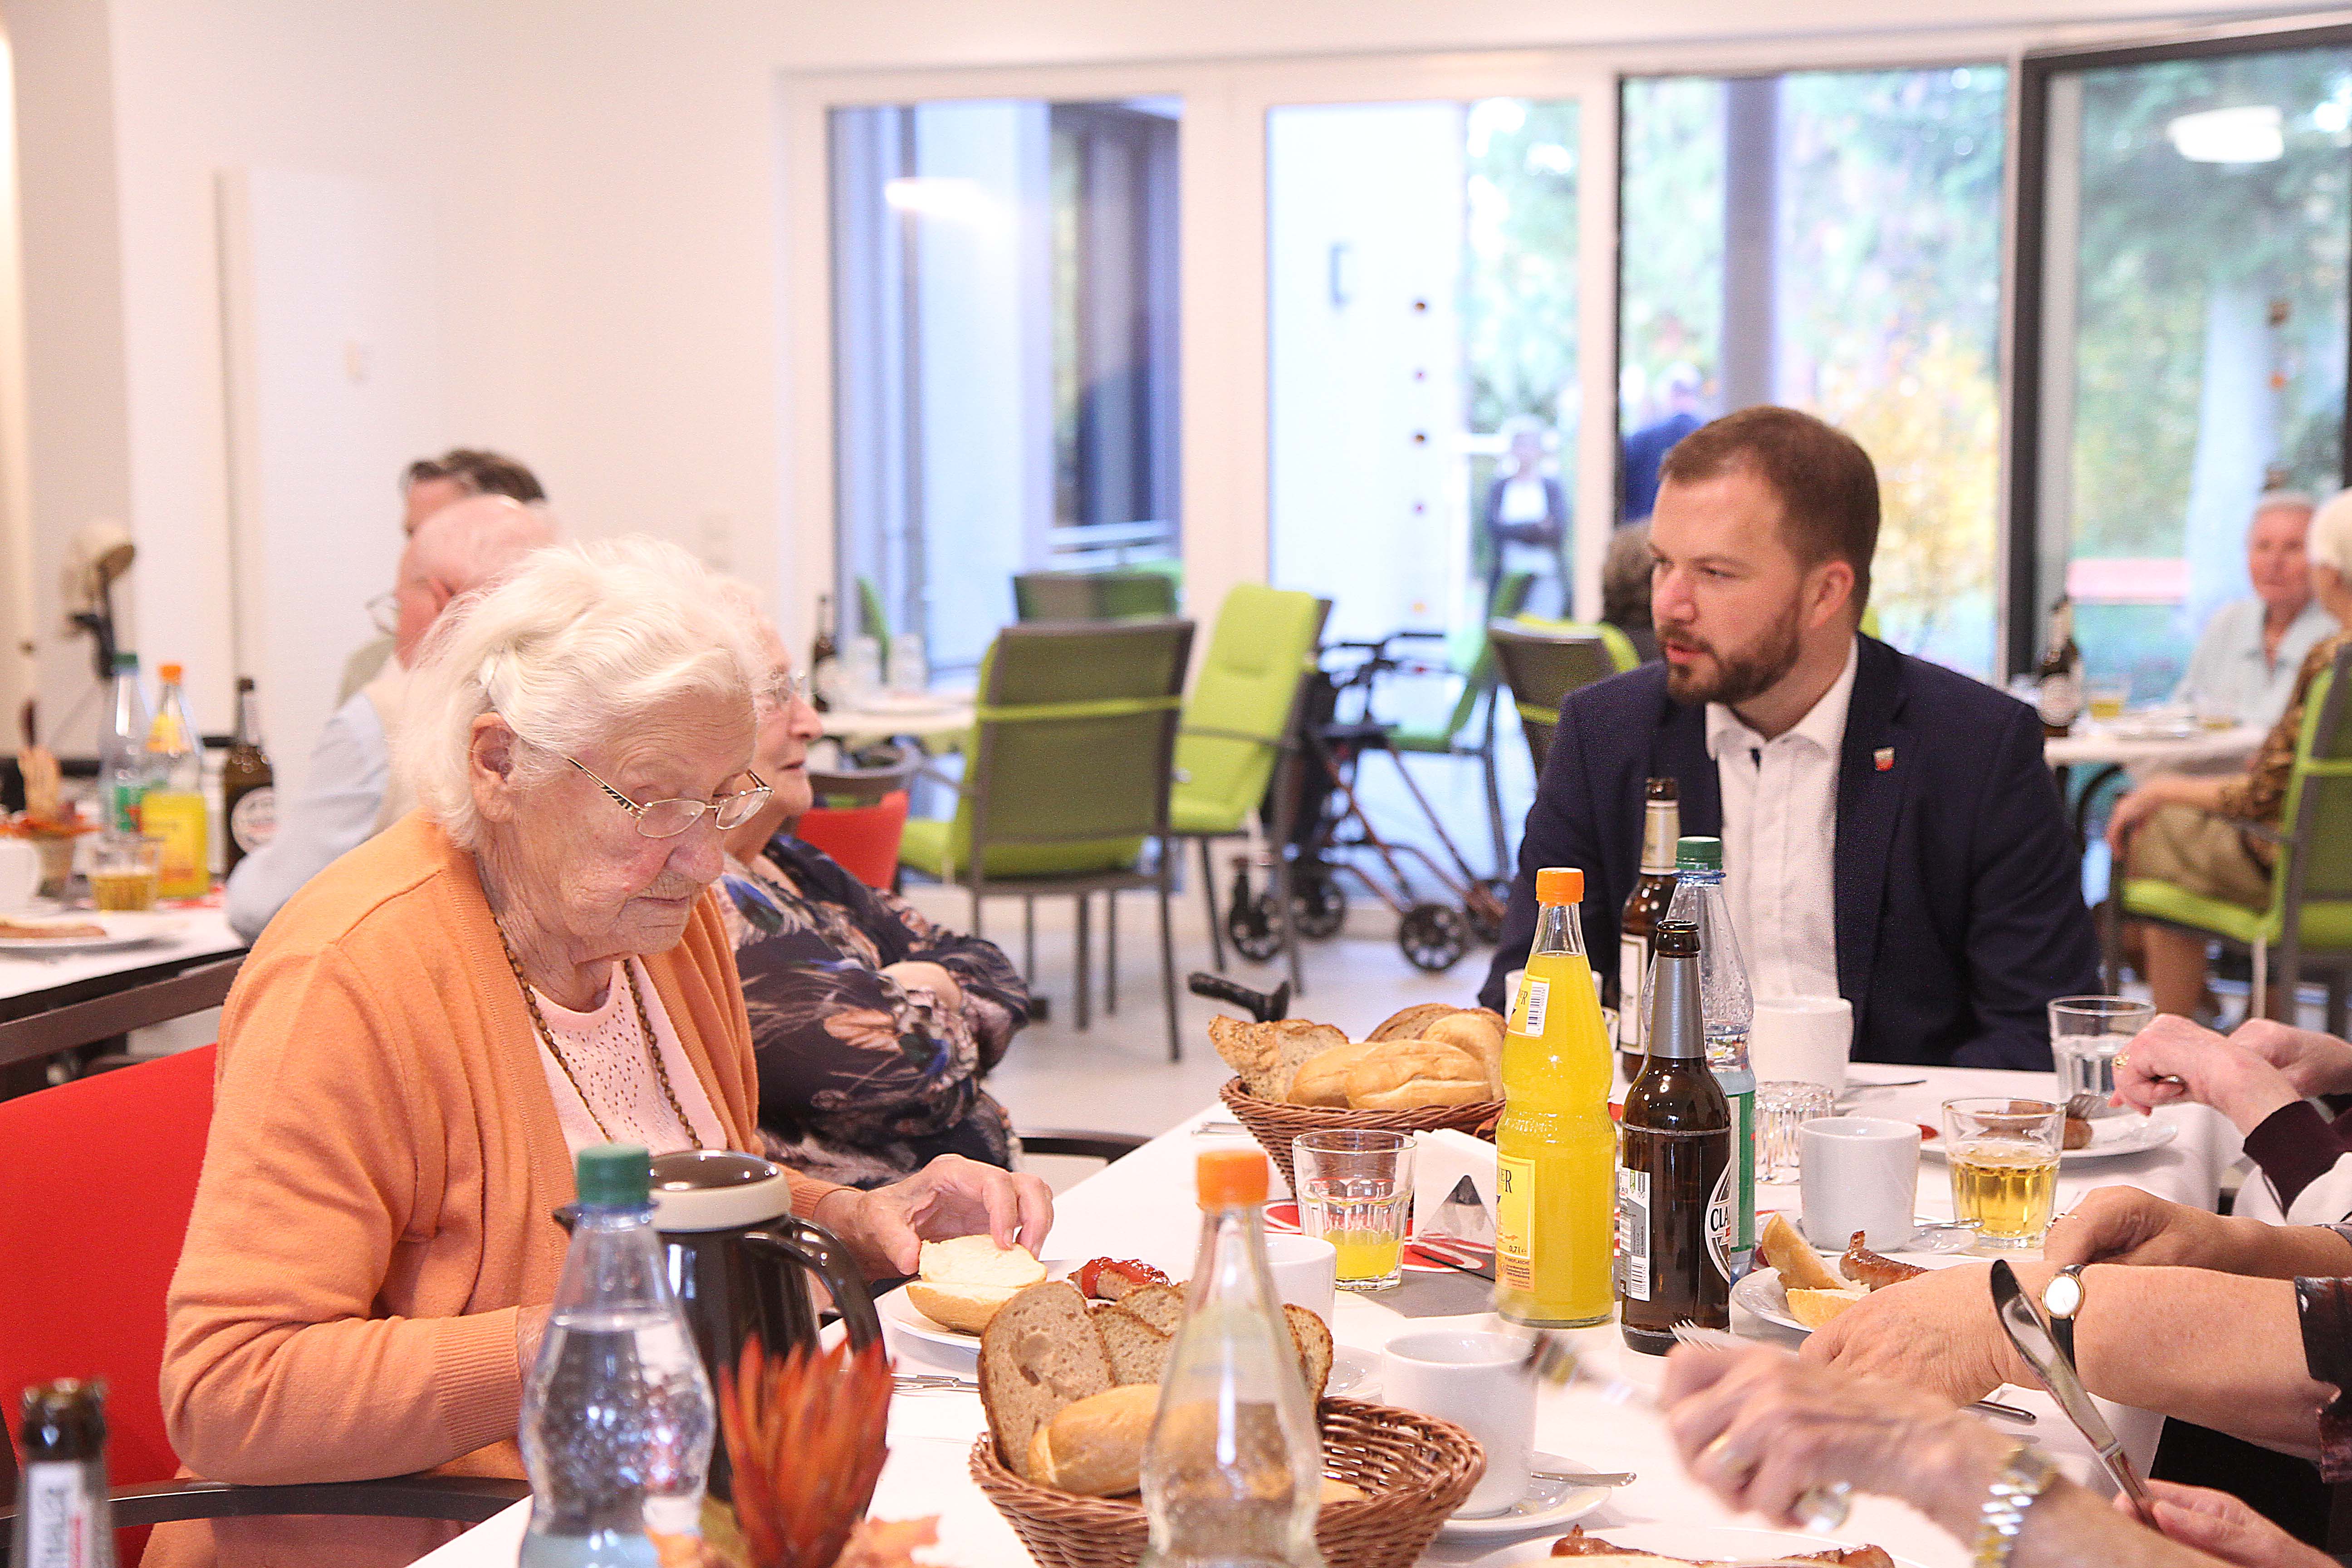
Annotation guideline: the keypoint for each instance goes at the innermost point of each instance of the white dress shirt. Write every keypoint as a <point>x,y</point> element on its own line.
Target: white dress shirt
<point>1779,841</point>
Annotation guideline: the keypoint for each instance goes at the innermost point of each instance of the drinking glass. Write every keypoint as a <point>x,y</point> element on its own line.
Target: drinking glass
<point>2086,1033</point>
<point>125,869</point>
<point>1781,1110</point>
<point>2108,698</point>
<point>2003,1155</point>
<point>1355,1191</point>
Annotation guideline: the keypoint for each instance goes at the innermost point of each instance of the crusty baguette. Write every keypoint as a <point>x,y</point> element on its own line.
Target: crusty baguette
<point>1322,1078</point>
<point>1038,1353</point>
<point>1312,1335</point>
<point>966,1309</point>
<point>1413,1075</point>
<point>1094,1446</point>
<point>1799,1266</point>
<point>1407,1023</point>
<point>1138,1353</point>
<point>1814,1308</point>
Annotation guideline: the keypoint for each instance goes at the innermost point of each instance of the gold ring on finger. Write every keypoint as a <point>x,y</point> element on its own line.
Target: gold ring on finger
<point>2123,1059</point>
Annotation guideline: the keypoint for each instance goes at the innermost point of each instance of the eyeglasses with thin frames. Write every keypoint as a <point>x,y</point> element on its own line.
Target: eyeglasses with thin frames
<point>668,818</point>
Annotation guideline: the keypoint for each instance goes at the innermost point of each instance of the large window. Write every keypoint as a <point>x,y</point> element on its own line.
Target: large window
<point>1830,241</point>
<point>1005,365</point>
<point>2183,346</point>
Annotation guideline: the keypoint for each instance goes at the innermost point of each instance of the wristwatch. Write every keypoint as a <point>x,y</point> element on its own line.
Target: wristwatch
<point>2000,1517</point>
<point>2063,1299</point>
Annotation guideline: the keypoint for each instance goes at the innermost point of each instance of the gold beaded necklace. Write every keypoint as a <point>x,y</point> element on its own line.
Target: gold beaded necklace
<point>645,1035</point>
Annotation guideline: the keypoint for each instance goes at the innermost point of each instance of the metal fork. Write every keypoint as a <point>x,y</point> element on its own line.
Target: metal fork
<point>931,1382</point>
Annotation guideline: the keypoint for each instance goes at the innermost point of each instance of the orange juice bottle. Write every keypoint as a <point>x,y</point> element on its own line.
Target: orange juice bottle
<point>1556,1149</point>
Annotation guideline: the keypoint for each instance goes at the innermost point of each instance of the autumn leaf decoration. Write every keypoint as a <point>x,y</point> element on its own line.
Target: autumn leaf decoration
<point>804,1434</point>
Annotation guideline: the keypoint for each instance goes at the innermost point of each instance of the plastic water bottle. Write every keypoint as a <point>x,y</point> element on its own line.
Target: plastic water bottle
<point>1728,1008</point>
<point>1233,1475</point>
<point>617,1417</point>
<point>124,771</point>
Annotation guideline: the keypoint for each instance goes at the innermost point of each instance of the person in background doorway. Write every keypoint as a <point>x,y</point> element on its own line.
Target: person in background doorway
<point>349,793</point>
<point>1626,589</point>
<point>1525,519</point>
<point>2245,663</point>
<point>1646,448</point>
<point>427,486</point>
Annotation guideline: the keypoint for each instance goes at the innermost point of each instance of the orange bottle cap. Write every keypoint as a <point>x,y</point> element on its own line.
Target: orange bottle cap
<point>1232,1177</point>
<point>169,672</point>
<point>1559,885</point>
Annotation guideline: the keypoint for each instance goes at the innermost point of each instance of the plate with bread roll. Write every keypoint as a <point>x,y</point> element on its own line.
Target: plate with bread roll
<point>959,1288</point>
<point>1798,1288</point>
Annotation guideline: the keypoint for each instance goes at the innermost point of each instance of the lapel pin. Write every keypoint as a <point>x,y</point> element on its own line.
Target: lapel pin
<point>1884,758</point>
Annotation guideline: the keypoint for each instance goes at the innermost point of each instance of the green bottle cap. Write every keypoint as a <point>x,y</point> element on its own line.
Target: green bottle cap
<point>1699,853</point>
<point>126,664</point>
<point>615,1176</point>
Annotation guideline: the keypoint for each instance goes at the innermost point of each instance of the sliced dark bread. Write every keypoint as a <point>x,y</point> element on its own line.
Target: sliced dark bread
<point>1161,1306</point>
<point>1040,1352</point>
<point>1138,1353</point>
<point>1312,1335</point>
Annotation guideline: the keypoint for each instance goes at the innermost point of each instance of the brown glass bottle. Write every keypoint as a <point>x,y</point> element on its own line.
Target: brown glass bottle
<point>1674,1189</point>
<point>62,1512</point>
<point>1637,927</point>
<point>248,787</point>
<point>823,655</point>
<point>2058,680</point>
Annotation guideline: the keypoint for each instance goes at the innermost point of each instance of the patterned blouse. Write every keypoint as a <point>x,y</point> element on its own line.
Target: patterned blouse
<point>2261,796</point>
<point>862,1081</point>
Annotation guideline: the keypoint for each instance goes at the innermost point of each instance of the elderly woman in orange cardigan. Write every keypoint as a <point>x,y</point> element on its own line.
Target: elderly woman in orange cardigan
<point>530,963</point>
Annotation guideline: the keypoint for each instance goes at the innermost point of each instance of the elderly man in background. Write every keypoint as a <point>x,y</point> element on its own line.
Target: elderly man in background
<point>2245,663</point>
<point>427,486</point>
<point>350,794</point>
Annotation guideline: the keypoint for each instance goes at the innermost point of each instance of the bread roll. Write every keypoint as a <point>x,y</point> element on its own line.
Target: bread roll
<point>1480,1032</point>
<point>1407,1023</point>
<point>1093,1447</point>
<point>1269,1055</point>
<point>1413,1075</point>
<point>1322,1078</point>
<point>966,1309</point>
<point>966,1280</point>
<point>1799,1266</point>
<point>1814,1308</point>
<point>1340,1491</point>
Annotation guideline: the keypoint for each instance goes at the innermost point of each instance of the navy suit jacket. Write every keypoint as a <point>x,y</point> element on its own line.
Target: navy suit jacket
<point>1957,882</point>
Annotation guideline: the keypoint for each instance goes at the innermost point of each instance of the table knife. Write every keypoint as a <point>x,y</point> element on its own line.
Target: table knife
<point>2030,1332</point>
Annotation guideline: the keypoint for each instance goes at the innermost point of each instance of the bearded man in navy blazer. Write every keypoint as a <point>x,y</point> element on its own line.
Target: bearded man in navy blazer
<point>1890,832</point>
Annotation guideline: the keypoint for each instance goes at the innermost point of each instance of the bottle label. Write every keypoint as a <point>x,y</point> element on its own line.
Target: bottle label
<point>1719,1223</point>
<point>1515,1221</point>
<point>122,802</point>
<point>178,819</point>
<point>1630,953</point>
<point>2061,699</point>
<point>1531,1016</point>
<point>253,820</point>
<point>60,1518</point>
<point>1634,1234</point>
<point>1743,1161</point>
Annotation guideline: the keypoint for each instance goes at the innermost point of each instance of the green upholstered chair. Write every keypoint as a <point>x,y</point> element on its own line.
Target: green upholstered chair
<point>1469,729</point>
<point>1093,595</point>
<point>1541,662</point>
<point>2310,912</point>
<point>1240,722</point>
<point>1066,778</point>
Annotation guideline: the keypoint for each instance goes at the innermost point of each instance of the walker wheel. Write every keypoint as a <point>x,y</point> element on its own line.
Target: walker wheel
<point>1434,937</point>
<point>1318,907</point>
<point>1256,935</point>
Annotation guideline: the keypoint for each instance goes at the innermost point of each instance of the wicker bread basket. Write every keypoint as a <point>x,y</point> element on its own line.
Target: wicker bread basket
<point>1414,1470</point>
<point>1273,1123</point>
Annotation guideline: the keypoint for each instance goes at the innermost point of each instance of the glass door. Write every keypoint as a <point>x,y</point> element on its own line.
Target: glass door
<point>2184,219</point>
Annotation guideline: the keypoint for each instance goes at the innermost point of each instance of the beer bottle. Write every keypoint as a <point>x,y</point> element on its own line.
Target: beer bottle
<point>1674,1175</point>
<point>62,1514</point>
<point>1645,908</point>
<point>2058,681</point>
<point>248,788</point>
<point>824,654</point>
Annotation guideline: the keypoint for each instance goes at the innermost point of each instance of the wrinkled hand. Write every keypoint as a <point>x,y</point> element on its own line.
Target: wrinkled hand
<point>2129,811</point>
<point>951,1196</point>
<point>1759,1429</point>
<point>1937,1332</point>
<point>2126,1224</point>
<point>2214,1070</point>
<point>2312,1062</point>
<point>2220,1524</point>
<point>921,974</point>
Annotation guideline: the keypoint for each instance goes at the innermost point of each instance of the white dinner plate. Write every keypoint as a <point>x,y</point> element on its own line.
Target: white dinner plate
<point>2110,1136</point>
<point>1355,1374</point>
<point>121,931</point>
<point>1706,1543</point>
<point>1760,1292</point>
<point>1548,1505</point>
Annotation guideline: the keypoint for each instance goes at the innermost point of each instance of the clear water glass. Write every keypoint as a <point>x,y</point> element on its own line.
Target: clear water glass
<point>1781,1109</point>
<point>2086,1033</point>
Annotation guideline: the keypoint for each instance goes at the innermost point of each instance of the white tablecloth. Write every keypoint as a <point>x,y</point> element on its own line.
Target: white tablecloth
<point>2136,749</point>
<point>1143,1207</point>
<point>207,934</point>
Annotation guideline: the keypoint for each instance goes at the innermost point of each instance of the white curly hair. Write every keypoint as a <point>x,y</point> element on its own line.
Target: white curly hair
<point>572,647</point>
<point>2329,540</point>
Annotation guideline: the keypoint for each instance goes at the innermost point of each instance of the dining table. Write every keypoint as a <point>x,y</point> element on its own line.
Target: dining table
<point>2140,744</point>
<point>939,719</point>
<point>1143,1207</point>
<point>53,1000</point>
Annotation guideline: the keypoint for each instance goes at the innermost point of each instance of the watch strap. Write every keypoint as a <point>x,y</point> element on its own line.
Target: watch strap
<point>2001,1517</point>
<point>2061,1327</point>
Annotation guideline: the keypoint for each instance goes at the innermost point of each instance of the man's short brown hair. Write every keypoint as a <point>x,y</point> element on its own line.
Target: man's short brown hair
<point>477,472</point>
<point>1825,484</point>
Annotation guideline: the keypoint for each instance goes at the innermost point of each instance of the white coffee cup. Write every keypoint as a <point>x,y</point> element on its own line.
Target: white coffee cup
<point>1859,1173</point>
<point>1478,1382</point>
<point>1801,1039</point>
<point>1306,1271</point>
<point>20,873</point>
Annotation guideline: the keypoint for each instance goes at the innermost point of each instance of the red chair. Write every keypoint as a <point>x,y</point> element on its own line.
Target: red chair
<point>863,838</point>
<point>95,1192</point>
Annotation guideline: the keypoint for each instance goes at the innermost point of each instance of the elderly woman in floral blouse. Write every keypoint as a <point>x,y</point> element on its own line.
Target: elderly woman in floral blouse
<point>872,1025</point>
